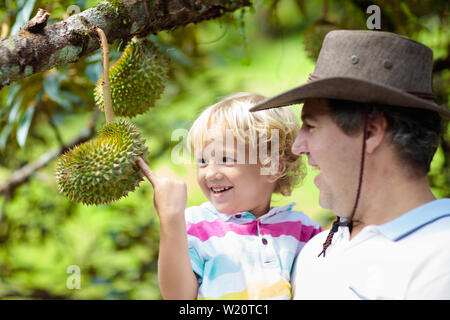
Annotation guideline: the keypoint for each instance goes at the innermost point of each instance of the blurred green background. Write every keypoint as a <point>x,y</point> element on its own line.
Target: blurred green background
<point>265,49</point>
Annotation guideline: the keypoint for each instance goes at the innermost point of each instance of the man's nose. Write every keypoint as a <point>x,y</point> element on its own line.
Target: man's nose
<point>299,147</point>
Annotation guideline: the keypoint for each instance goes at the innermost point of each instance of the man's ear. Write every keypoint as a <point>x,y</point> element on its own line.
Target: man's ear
<point>376,131</point>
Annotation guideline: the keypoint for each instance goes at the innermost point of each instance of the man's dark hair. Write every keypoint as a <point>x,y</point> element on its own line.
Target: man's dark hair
<point>414,132</point>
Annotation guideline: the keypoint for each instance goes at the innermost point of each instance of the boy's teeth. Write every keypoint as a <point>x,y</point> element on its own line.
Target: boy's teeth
<point>220,189</point>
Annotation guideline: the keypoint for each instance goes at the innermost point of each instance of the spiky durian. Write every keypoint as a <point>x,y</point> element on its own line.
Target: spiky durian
<point>104,169</point>
<point>137,79</point>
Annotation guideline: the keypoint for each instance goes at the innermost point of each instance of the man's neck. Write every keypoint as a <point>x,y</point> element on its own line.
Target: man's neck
<point>387,199</point>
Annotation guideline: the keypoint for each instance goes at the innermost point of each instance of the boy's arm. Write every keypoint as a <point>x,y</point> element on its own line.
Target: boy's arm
<point>175,275</point>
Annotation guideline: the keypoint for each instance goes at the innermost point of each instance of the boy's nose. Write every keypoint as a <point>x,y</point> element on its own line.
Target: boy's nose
<point>299,146</point>
<point>213,172</point>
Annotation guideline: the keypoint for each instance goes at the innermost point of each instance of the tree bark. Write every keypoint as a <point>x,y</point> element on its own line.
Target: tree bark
<point>36,50</point>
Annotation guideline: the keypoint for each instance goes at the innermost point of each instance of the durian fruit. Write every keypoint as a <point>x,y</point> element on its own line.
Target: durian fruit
<point>137,79</point>
<point>104,169</point>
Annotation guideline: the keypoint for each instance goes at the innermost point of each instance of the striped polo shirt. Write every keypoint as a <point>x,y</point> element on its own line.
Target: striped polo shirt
<point>239,256</point>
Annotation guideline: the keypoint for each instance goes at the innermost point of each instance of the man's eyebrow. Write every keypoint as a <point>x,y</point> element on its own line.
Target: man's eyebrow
<point>308,116</point>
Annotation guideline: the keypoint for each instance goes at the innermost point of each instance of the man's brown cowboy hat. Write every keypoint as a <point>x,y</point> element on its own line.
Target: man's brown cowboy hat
<point>369,67</point>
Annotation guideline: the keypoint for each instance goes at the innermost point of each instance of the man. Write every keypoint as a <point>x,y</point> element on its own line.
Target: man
<point>371,126</point>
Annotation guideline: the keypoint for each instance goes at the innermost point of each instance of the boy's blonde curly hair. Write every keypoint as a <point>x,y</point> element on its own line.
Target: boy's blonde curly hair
<point>232,113</point>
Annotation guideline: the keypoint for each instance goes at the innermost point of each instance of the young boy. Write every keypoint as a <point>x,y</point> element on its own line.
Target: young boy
<point>235,246</point>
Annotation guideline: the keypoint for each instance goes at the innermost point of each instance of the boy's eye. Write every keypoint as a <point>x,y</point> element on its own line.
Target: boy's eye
<point>201,161</point>
<point>227,160</point>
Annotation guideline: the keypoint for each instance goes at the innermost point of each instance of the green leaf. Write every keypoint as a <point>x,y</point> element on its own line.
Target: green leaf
<point>52,88</point>
<point>24,126</point>
<point>72,97</point>
<point>4,135</point>
<point>14,112</point>
<point>23,16</point>
<point>12,94</point>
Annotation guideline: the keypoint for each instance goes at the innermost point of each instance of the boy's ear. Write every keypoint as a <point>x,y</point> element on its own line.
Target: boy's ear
<point>274,176</point>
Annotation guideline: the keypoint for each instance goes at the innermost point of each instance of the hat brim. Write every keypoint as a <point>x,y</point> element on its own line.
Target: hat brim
<point>352,89</point>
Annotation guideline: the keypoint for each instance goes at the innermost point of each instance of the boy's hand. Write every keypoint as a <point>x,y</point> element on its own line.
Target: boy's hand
<point>170,194</point>
<point>175,276</point>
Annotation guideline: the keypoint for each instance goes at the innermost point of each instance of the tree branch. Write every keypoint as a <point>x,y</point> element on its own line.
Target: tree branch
<point>38,23</point>
<point>67,41</point>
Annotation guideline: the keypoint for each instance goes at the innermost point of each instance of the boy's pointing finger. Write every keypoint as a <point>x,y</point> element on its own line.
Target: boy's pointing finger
<point>146,170</point>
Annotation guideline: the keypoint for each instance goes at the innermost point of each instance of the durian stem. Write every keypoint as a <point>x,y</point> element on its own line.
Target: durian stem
<point>109,113</point>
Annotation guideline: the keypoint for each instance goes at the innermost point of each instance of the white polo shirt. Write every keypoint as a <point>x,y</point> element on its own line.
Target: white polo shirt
<point>406,258</point>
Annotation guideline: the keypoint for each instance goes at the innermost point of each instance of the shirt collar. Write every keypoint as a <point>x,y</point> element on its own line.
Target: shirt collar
<point>245,214</point>
<point>415,219</point>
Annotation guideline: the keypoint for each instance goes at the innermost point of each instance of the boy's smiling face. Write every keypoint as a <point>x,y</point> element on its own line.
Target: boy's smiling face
<point>231,185</point>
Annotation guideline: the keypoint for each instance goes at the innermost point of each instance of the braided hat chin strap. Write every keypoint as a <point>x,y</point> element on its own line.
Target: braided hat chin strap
<point>334,228</point>
<point>348,223</point>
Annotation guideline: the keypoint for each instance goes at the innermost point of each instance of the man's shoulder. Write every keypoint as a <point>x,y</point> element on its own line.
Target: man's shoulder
<point>438,229</point>
<point>428,220</point>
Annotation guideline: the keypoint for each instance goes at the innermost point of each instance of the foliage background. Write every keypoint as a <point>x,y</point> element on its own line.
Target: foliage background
<point>265,49</point>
